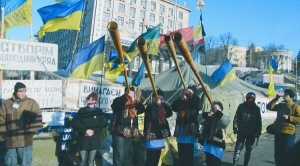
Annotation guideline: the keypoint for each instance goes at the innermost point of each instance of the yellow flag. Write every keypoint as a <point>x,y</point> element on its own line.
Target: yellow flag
<point>271,88</point>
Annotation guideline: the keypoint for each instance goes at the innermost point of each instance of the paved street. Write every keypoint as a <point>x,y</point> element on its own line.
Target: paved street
<point>262,155</point>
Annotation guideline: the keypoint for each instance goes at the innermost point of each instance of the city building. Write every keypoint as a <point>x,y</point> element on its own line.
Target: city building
<point>133,18</point>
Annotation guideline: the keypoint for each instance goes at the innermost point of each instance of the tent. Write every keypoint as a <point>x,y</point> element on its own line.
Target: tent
<point>231,94</point>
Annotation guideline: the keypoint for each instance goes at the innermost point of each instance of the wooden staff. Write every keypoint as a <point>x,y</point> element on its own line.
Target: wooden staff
<point>142,45</point>
<point>172,51</point>
<point>115,36</point>
<point>179,41</point>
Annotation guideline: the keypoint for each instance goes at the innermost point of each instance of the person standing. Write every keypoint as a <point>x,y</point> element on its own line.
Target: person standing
<point>187,127</point>
<point>247,125</point>
<point>288,115</point>
<point>90,121</point>
<point>125,124</point>
<point>20,118</point>
<point>214,144</point>
<point>156,127</point>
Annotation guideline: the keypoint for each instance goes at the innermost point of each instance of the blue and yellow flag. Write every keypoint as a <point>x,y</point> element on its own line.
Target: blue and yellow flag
<point>63,15</point>
<point>224,73</point>
<point>138,78</point>
<point>199,31</point>
<point>152,40</point>
<point>88,60</point>
<point>114,67</point>
<point>16,13</point>
<point>271,88</point>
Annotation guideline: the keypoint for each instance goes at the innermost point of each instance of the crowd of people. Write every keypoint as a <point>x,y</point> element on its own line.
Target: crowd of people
<point>20,118</point>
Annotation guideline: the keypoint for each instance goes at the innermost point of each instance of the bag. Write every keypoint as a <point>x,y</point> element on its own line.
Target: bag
<point>271,129</point>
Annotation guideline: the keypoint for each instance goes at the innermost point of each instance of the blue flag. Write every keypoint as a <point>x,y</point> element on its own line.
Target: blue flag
<point>137,79</point>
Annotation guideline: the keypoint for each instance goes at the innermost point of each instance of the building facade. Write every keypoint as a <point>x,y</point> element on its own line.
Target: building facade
<point>133,18</point>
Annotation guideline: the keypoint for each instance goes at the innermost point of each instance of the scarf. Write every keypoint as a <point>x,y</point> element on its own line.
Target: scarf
<point>131,108</point>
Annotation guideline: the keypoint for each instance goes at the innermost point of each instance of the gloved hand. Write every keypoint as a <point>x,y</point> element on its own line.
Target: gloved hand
<point>235,131</point>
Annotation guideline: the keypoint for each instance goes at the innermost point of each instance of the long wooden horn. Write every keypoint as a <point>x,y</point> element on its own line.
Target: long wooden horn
<point>115,36</point>
<point>172,51</point>
<point>179,41</point>
<point>142,45</point>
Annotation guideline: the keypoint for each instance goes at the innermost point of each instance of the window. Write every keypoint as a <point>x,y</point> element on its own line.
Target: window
<point>103,31</point>
<point>142,14</point>
<point>84,19</point>
<point>167,64</point>
<point>131,24</point>
<point>121,8</point>
<point>83,32</point>
<point>136,62</point>
<point>108,4</point>
<point>170,23</point>
<point>82,45</point>
<point>153,6</point>
<point>141,26</point>
<point>180,15</point>
<point>152,17</point>
<point>105,17</point>
<point>179,25</point>
<point>161,31</point>
<point>86,6</point>
<point>161,20</point>
<point>170,13</point>
<point>132,11</point>
<point>120,20</point>
<point>133,1</point>
<point>162,8</point>
<point>143,3</point>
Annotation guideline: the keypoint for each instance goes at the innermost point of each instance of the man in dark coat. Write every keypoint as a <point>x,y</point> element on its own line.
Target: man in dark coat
<point>247,125</point>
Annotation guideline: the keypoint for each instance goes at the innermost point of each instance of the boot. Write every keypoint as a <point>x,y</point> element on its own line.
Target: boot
<point>247,155</point>
<point>237,152</point>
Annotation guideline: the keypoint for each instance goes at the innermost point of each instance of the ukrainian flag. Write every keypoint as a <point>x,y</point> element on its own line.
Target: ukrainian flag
<point>88,60</point>
<point>152,40</point>
<point>114,67</point>
<point>16,13</point>
<point>224,73</point>
<point>63,15</point>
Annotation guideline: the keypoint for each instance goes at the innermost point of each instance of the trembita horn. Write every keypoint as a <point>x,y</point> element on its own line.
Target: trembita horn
<point>179,41</point>
<point>172,51</point>
<point>115,36</point>
<point>142,45</point>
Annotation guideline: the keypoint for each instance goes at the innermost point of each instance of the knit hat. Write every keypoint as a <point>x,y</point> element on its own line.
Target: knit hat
<point>290,92</point>
<point>19,86</point>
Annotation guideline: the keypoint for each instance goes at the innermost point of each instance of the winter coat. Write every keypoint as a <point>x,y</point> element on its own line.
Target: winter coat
<point>187,113</point>
<point>156,125</point>
<point>122,123</point>
<point>247,120</point>
<point>285,126</point>
<point>89,118</point>
<point>19,123</point>
<point>221,122</point>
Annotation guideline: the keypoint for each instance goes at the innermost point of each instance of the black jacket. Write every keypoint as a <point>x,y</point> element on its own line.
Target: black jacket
<point>89,118</point>
<point>122,124</point>
<point>247,120</point>
<point>153,127</point>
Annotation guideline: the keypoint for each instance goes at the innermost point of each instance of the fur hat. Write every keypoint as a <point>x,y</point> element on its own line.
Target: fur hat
<point>131,89</point>
<point>219,104</point>
<point>159,92</point>
<point>19,86</point>
<point>290,92</point>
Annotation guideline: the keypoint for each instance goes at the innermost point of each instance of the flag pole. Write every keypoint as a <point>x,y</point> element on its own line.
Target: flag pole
<point>76,38</point>
<point>2,22</point>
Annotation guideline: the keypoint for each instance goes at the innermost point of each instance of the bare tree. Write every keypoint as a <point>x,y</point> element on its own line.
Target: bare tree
<point>227,43</point>
<point>210,44</point>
